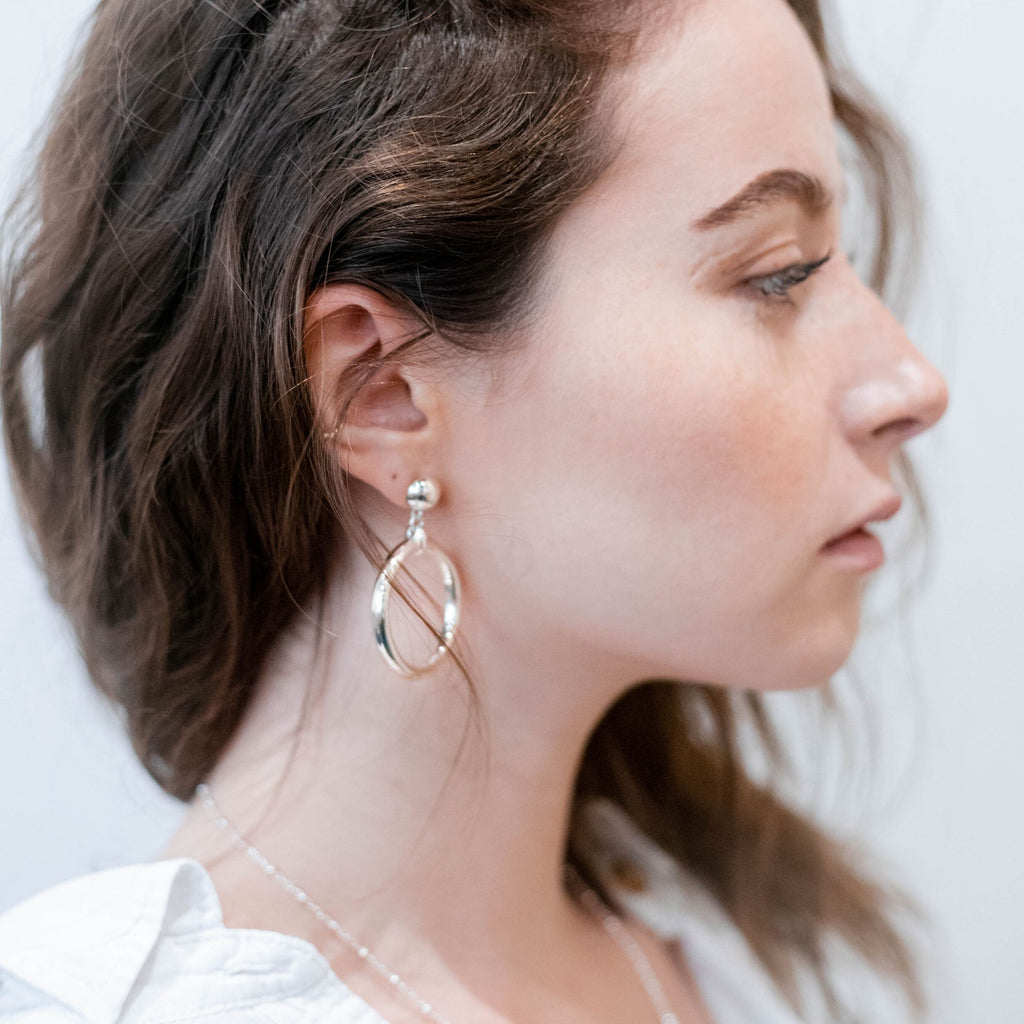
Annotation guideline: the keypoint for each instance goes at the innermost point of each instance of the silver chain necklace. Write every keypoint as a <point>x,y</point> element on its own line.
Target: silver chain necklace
<point>612,924</point>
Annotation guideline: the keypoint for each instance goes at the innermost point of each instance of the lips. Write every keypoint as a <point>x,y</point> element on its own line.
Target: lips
<point>886,509</point>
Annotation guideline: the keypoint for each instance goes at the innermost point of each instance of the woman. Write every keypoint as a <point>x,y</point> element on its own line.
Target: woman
<point>558,289</point>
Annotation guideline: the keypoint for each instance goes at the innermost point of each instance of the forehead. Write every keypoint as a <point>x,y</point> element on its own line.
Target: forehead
<point>718,93</point>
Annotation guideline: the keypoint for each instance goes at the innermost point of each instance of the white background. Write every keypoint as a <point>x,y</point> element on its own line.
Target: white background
<point>946,809</point>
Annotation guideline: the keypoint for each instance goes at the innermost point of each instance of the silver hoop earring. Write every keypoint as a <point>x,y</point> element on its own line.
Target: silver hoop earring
<point>421,495</point>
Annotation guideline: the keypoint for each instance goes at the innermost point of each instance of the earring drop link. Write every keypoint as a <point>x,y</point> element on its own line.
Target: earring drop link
<point>422,494</point>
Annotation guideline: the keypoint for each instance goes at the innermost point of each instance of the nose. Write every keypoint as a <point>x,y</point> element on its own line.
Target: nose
<point>897,393</point>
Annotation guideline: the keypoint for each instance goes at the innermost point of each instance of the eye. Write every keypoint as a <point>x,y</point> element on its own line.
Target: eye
<point>775,287</point>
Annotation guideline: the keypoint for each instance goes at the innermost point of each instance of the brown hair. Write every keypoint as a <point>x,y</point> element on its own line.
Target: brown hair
<point>208,166</point>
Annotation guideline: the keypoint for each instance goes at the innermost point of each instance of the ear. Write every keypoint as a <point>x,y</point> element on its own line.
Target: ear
<point>389,436</point>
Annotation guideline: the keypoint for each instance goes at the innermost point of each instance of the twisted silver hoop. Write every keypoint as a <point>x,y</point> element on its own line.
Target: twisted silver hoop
<point>421,495</point>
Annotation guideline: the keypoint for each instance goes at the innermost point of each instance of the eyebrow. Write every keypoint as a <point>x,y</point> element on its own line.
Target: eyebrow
<point>810,192</point>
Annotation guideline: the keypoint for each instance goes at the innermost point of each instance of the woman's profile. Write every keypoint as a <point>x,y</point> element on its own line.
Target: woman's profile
<point>442,422</point>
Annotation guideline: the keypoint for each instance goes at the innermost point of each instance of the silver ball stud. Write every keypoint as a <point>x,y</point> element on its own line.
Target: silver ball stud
<point>423,494</point>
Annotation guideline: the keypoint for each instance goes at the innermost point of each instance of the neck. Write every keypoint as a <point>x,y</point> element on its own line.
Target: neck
<point>399,814</point>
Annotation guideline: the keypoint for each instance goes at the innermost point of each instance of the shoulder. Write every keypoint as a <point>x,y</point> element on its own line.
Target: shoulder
<point>146,943</point>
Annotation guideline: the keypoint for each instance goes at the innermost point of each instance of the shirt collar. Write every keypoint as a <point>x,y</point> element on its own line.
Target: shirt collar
<point>100,926</point>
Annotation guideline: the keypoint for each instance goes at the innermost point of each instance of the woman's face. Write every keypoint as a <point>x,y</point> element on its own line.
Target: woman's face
<point>656,480</point>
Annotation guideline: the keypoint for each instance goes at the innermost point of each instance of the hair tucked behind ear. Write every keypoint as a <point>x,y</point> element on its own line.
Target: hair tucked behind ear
<point>207,167</point>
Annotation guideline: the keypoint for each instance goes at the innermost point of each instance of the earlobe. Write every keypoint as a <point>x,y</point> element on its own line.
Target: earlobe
<point>376,414</point>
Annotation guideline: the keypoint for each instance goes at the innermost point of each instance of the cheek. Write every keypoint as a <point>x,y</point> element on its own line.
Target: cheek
<point>660,497</point>
<point>728,440</point>
<point>720,517</point>
<point>671,462</point>
<point>760,459</point>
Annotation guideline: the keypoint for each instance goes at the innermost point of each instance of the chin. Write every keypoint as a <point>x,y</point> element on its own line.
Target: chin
<point>823,661</point>
<point>794,683</point>
<point>810,659</point>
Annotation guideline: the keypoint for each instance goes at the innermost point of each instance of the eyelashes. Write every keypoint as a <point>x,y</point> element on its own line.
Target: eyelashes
<point>776,287</point>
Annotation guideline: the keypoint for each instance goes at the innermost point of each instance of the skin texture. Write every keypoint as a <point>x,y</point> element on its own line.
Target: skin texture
<point>641,488</point>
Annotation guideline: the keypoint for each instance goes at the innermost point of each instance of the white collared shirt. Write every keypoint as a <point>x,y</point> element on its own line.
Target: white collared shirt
<point>146,944</point>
